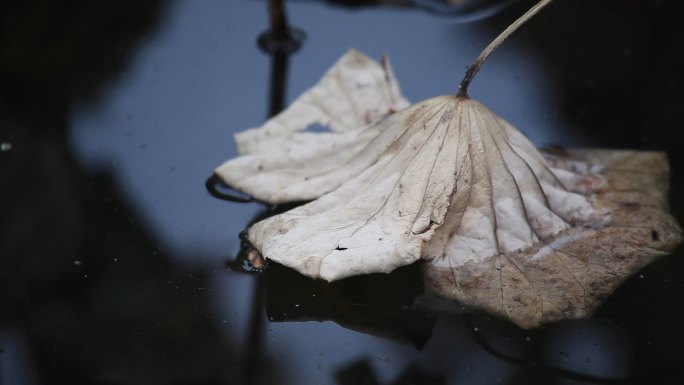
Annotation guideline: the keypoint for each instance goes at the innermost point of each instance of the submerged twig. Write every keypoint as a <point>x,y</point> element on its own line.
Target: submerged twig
<point>475,67</point>
<point>279,41</point>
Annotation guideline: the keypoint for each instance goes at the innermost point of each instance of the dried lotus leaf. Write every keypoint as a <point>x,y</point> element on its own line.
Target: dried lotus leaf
<point>443,174</point>
<point>569,274</point>
<point>282,162</point>
<point>533,237</point>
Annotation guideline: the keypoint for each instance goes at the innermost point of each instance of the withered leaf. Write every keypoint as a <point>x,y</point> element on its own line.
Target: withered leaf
<point>504,227</point>
<point>443,175</point>
<point>282,162</point>
<point>569,274</point>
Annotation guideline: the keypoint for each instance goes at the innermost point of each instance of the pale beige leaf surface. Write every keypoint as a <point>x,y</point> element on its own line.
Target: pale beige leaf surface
<point>282,162</point>
<point>569,274</point>
<point>446,176</point>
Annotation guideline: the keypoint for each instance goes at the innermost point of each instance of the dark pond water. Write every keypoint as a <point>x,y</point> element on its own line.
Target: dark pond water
<point>115,261</point>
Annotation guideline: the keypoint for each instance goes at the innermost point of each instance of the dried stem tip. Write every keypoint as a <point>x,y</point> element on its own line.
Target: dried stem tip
<point>475,67</point>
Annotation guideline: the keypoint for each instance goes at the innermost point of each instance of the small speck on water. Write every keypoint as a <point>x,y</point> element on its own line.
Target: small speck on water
<point>78,263</point>
<point>5,146</point>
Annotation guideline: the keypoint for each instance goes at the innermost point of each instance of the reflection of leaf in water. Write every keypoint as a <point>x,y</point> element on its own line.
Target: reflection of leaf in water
<point>377,304</point>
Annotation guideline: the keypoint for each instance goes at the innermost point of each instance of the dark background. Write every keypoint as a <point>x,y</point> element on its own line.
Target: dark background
<point>114,260</point>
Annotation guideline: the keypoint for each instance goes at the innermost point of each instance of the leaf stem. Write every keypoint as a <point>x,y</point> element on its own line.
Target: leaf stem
<point>475,67</point>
